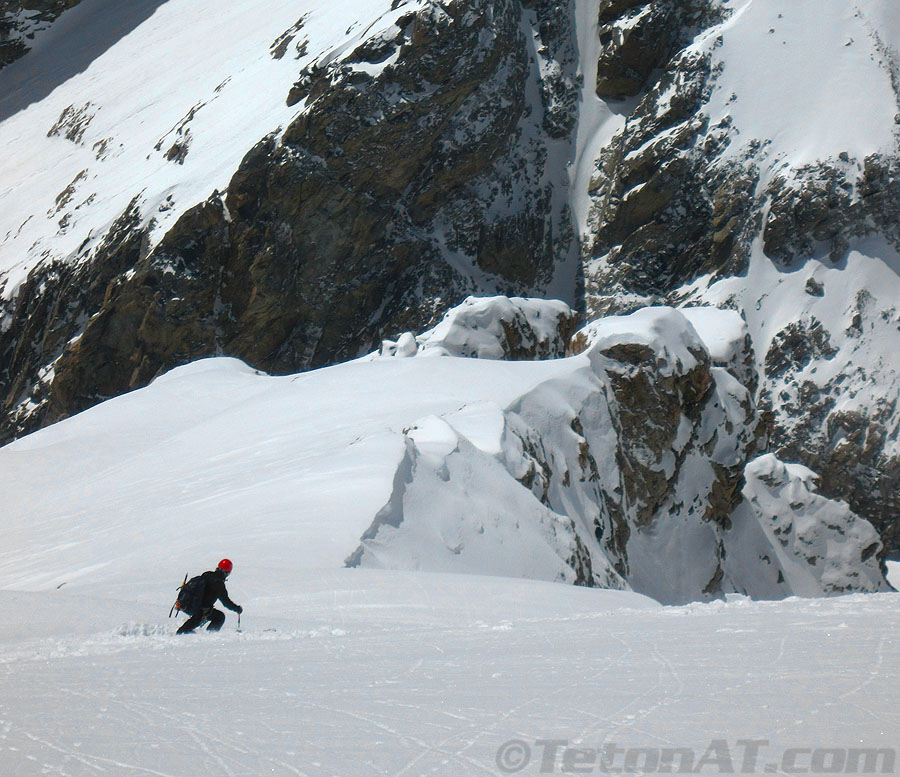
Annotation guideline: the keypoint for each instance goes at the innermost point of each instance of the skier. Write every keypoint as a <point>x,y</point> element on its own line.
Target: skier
<point>213,591</point>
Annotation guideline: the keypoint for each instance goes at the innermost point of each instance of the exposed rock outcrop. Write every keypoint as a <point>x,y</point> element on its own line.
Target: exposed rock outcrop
<point>685,197</point>
<point>821,208</point>
<point>664,212</point>
<point>640,37</point>
<point>636,468</point>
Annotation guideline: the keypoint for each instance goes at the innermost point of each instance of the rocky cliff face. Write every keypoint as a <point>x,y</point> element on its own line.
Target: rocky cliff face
<point>691,192</point>
<point>417,169</point>
<point>418,152</point>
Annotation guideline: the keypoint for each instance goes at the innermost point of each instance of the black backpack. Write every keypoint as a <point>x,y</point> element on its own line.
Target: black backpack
<point>190,595</point>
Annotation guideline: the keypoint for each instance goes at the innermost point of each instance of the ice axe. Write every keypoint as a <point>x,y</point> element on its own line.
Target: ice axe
<point>175,604</point>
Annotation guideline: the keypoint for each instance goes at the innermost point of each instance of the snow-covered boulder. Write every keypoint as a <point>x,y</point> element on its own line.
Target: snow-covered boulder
<point>808,544</point>
<point>723,333</point>
<point>494,328</point>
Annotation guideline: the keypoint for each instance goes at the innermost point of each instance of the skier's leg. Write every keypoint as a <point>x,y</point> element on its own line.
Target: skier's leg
<point>216,619</point>
<point>191,623</point>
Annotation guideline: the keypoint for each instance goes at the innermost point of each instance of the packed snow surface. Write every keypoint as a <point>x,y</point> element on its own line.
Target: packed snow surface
<point>218,446</point>
<point>366,671</point>
<point>359,673</point>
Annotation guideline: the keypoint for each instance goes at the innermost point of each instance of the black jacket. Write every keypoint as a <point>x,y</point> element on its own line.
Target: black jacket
<point>215,591</point>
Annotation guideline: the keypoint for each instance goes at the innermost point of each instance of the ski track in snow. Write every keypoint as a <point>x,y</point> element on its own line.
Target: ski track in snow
<point>417,674</point>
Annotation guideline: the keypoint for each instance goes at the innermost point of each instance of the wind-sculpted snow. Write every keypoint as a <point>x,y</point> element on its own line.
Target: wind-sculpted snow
<point>639,455</point>
<point>831,549</point>
<point>445,514</point>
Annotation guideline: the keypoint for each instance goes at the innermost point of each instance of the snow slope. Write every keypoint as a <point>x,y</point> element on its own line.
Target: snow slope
<point>808,79</point>
<point>355,672</point>
<point>358,673</point>
<point>795,86</point>
<point>213,82</point>
<point>218,446</point>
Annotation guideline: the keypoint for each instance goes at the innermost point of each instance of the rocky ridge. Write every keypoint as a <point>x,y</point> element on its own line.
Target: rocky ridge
<point>685,198</point>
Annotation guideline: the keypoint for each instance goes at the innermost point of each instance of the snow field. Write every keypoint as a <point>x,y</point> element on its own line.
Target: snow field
<point>360,671</point>
<point>374,672</point>
<point>213,456</point>
<point>438,463</point>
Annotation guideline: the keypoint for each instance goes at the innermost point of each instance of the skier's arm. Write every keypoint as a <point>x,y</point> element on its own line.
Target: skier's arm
<point>223,597</point>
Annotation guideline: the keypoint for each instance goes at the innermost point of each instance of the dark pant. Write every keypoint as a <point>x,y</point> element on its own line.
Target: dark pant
<point>215,618</point>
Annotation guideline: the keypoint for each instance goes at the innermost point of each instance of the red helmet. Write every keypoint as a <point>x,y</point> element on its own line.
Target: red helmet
<point>225,565</point>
